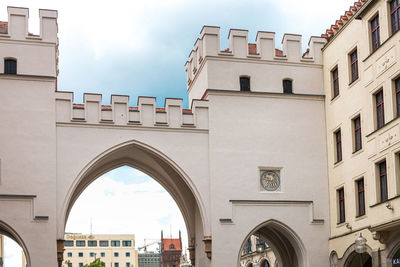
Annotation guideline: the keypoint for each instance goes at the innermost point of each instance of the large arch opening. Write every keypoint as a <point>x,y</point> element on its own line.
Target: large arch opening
<point>13,251</point>
<point>282,246</point>
<point>157,166</point>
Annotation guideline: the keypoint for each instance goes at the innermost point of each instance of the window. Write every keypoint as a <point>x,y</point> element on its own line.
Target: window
<point>92,254</point>
<point>69,264</point>
<point>69,254</point>
<point>80,254</point>
<point>375,35</point>
<point>354,65</point>
<point>80,243</point>
<point>383,181</point>
<point>116,264</point>
<point>92,243</point>
<point>102,254</point>
<point>10,66</point>
<point>244,83</point>
<point>357,134</point>
<point>80,264</point>
<point>127,264</point>
<point>338,141</point>
<point>342,216</point>
<point>395,14</point>
<point>335,82</point>
<point>126,243</point>
<point>116,254</point>
<point>127,254</point>
<point>68,243</point>
<point>115,243</point>
<point>103,243</point>
<point>360,197</point>
<point>287,86</point>
<point>380,112</point>
<point>397,95</point>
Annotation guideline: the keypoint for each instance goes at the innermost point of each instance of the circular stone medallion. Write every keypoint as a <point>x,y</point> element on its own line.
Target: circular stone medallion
<point>270,180</point>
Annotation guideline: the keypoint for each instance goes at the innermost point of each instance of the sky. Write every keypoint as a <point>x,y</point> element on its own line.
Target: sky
<point>139,48</point>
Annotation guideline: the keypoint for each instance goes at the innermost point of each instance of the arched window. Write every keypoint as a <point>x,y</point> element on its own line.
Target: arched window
<point>287,86</point>
<point>10,66</point>
<point>245,83</point>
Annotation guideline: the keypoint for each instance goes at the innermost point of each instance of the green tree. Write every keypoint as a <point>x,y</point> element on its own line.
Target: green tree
<point>96,263</point>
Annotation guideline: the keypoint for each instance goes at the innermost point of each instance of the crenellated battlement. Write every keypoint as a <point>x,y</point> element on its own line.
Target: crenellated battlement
<point>208,45</point>
<point>146,114</point>
<point>35,55</point>
<point>17,27</point>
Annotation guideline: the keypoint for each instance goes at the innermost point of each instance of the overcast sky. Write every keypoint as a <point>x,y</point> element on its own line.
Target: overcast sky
<point>140,48</point>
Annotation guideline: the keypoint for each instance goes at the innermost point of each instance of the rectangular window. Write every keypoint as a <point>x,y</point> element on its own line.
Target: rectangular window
<point>116,254</point>
<point>10,66</point>
<point>127,254</point>
<point>361,197</point>
<point>80,254</point>
<point>126,243</point>
<point>383,181</point>
<point>357,134</point>
<point>115,243</point>
<point>375,35</point>
<point>127,264</point>
<point>338,140</point>
<point>92,243</point>
<point>103,243</point>
<point>380,112</point>
<point>244,84</point>
<point>81,264</point>
<point>394,15</point>
<point>69,264</point>
<point>91,254</point>
<point>354,65</point>
<point>340,194</point>
<point>397,95</point>
<point>69,254</point>
<point>68,243</point>
<point>116,264</point>
<point>80,243</point>
<point>102,254</point>
<point>335,82</point>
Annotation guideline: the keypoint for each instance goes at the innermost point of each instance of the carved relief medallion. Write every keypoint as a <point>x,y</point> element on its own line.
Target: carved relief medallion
<point>270,180</point>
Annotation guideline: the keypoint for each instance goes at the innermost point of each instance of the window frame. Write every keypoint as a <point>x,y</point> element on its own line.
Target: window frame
<point>115,242</point>
<point>354,74</point>
<point>375,30</point>
<point>80,242</point>
<point>357,133</point>
<point>7,68</point>
<point>335,82</point>
<point>396,13</point>
<point>396,87</point>
<point>379,106</point>
<point>382,175</point>
<point>341,208</point>
<point>338,146</point>
<point>102,242</point>
<point>242,89</point>
<point>91,242</point>
<point>287,86</point>
<point>360,195</point>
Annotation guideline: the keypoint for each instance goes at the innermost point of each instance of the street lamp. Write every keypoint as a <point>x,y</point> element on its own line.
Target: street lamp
<point>361,247</point>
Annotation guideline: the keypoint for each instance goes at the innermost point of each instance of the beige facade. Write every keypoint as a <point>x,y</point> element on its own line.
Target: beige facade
<point>113,250</point>
<point>364,169</point>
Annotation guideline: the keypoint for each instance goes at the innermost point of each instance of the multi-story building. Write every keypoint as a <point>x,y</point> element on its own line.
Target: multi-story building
<point>362,103</point>
<point>171,251</point>
<point>113,250</point>
<point>256,252</point>
<point>149,259</point>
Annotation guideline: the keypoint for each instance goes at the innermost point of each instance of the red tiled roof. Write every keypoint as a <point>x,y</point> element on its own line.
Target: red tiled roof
<point>343,19</point>
<point>3,27</point>
<point>278,52</point>
<point>171,243</point>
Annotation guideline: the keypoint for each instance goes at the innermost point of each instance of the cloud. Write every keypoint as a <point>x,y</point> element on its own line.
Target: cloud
<point>115,207</point>
<point>12,253</point>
